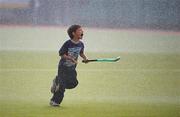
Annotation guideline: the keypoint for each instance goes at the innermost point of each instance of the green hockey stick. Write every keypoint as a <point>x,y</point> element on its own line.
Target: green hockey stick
<point>102,60</point>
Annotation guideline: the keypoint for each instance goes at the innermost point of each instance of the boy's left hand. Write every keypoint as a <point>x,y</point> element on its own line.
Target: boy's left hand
<point>85,61</point>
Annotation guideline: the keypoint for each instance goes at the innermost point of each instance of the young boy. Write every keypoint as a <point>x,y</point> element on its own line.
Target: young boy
<point>69,52</point>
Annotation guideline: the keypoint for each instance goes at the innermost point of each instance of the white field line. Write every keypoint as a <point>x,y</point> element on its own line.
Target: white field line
<point>111,99</point>
<point>136,99</point>
<point>91,70</point>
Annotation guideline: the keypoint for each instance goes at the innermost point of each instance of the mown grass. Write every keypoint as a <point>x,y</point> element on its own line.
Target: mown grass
<point>138,85</point>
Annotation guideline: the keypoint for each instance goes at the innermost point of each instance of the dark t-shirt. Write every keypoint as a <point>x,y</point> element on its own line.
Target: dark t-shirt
<point>72,49</point>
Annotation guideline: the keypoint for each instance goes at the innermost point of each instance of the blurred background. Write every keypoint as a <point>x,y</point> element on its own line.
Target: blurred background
<point>130,25</point>
<point>149,14</point>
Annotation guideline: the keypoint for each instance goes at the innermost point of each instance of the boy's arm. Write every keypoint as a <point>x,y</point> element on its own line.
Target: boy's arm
<point>84,57</point>
<point>69,58</point>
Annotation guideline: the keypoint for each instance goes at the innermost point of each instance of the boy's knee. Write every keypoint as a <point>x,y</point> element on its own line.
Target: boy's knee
<point>72,84</point>
<point>61,89</point>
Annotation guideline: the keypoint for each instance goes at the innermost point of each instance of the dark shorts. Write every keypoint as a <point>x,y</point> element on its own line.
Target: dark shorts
<point>67,77</point>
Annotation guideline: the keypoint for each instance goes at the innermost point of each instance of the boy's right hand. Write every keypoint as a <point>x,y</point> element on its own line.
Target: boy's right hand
<point>74,61</point>
<point>70,58</point>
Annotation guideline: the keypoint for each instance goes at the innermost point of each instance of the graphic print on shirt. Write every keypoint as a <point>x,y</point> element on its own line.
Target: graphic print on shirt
<point>73,52</point>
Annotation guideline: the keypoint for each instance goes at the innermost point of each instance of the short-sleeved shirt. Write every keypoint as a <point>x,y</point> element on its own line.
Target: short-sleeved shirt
<point>72,49</point>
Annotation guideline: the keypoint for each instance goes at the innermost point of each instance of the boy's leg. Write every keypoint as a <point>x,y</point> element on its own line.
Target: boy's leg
<point>67,80</point>
<point>55,85</point>
<point>72,81</point>
<point>59,95</point>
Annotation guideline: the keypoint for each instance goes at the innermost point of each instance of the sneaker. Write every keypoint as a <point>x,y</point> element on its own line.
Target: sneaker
<point>52,103</point>
<point>54,87</point>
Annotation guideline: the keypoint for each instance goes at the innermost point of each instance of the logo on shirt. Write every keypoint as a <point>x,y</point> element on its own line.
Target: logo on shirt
<point>74,53</point>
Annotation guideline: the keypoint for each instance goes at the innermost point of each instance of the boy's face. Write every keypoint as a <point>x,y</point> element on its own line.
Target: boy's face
<point>78,34</point>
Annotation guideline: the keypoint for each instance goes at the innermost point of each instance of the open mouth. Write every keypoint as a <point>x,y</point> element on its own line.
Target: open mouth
<point>82,34</point>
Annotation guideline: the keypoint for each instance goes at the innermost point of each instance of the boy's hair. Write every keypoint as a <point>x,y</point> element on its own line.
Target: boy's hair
<point>72,29</point>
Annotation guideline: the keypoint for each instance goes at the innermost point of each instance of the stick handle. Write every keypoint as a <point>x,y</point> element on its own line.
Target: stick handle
<point>91,60</point>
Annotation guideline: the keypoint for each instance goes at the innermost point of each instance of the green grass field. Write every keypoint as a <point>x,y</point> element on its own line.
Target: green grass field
<point>139,85</point>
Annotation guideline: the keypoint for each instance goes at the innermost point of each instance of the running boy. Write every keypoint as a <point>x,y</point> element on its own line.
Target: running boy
<point>69,52</point>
